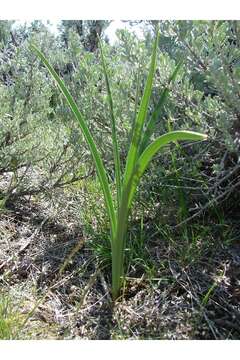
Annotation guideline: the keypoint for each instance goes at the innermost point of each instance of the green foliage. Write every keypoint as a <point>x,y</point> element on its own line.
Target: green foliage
<point>10,319</point>
<point>38,151</point>
<point>137,161</point>
<point>86,30</point>
<point>42,147</point>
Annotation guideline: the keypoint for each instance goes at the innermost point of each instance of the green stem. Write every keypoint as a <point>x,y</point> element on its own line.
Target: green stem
<point>118,243</point>
<point>118,247</point>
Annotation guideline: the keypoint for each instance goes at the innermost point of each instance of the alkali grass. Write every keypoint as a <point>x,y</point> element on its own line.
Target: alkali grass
<point>140,154</point>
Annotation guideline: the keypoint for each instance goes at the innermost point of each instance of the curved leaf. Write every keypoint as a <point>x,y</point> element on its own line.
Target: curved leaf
<point>153,148</point>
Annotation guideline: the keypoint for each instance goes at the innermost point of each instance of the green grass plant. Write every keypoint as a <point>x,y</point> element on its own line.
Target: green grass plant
<point>10,319</point>
<point>140,154</point>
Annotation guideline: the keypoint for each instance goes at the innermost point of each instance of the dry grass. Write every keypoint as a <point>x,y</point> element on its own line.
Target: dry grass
<point>197,301</point>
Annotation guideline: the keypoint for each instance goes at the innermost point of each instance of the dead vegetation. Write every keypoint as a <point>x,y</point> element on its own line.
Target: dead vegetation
<point>61,291</point>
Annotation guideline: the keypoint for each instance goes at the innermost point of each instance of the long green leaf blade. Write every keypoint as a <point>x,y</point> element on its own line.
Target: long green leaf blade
<point>88,137</point>
<point>137,133</point>
<point>153,148</point>
<point>137,92</point>
<point>157,111</point>
<point>116,154</point>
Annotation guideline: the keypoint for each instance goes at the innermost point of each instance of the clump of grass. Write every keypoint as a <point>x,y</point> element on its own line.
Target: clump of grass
<point>140,154</point>
<point>10,319</point>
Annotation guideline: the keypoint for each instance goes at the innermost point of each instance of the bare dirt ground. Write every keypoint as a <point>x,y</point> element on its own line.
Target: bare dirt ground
<point>53,277</point>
